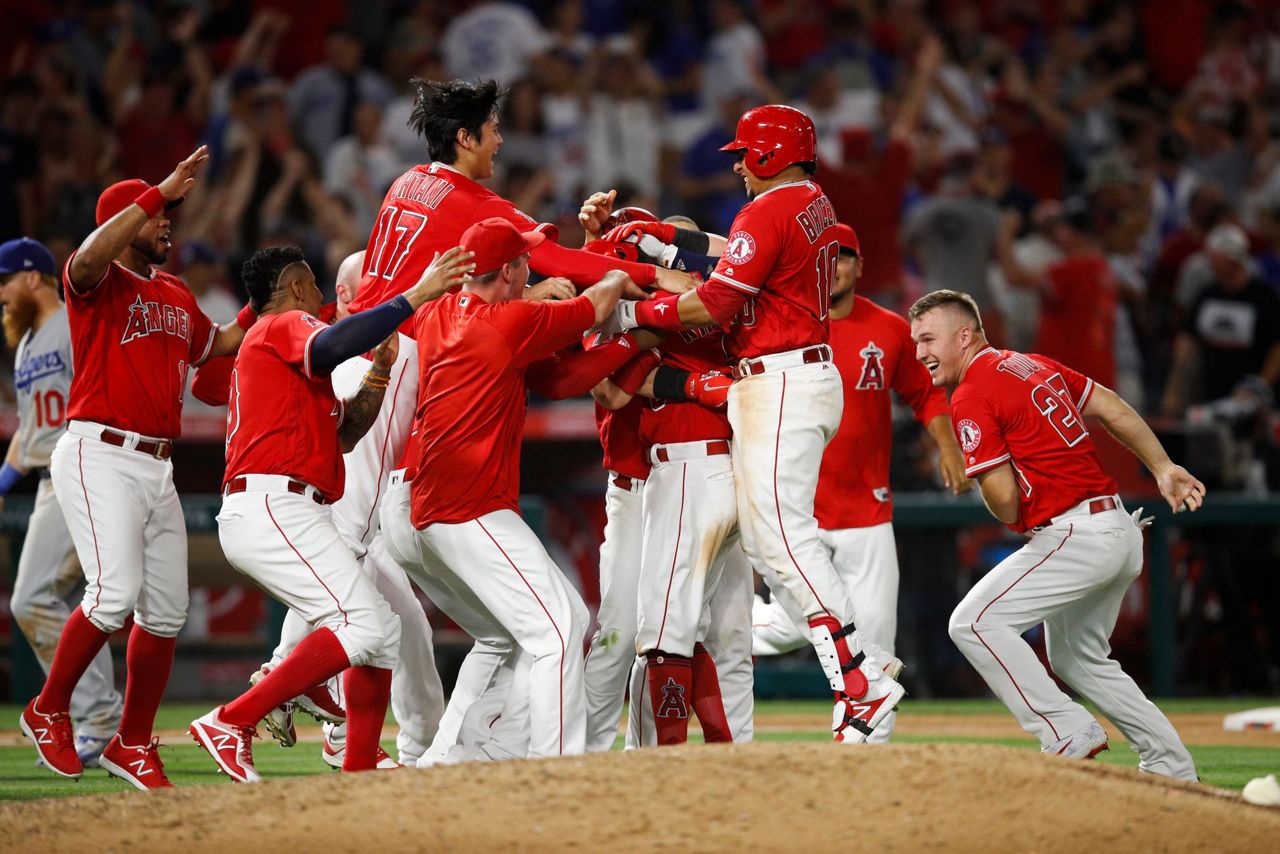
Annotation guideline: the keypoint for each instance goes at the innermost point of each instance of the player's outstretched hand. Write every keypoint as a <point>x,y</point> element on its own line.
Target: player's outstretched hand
<point>385,354</point>
<point>553,288</point>
<point>673,281</point>
<point>183,176</point>
<point>951,467</point>
<point>595,212</point>
<point>1180,489</point>
<point>604,295</point>
<point>633,231</point>
<point>443,274</point>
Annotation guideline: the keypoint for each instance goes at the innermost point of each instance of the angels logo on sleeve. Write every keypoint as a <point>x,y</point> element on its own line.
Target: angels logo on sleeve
<point>740,248</point>
<point>970,435</point>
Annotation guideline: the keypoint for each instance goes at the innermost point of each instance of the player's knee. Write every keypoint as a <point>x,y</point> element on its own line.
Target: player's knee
<point>389,655</point>
<point>960,626</point>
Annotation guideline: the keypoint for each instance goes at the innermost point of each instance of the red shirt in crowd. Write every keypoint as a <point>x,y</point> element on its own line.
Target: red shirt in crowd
<point>1025,410</point>
<point>282,419</point>
<point>134,339</point>
<point>773,281</point>
<point>875,354</point>
<point>472,357</point>
<point>870,201</point>
<point>1078,319</point>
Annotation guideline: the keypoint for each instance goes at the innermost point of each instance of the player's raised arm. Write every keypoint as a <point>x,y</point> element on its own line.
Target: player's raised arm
<point>114,233</point>
<point>1180,489</point>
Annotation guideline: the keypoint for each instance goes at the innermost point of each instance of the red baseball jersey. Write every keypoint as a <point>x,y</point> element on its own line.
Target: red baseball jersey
<point>281,418</point>
<point>781,256</point>
<point>624,453</point>
<point>426,211</point>
<point>472,357</point>
<point>875,354</point>
<point>1025,410</point>
<point>666,422</point>
<point>134,339</point>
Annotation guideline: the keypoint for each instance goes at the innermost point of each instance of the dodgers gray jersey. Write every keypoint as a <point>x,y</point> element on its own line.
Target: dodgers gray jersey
<point>42,378</point>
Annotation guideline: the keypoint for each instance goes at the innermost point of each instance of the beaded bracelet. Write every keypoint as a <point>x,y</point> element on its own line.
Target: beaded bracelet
<point>373,380</point>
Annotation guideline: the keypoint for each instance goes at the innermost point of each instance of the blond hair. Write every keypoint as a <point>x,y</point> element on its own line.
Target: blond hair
<point>954,299</point>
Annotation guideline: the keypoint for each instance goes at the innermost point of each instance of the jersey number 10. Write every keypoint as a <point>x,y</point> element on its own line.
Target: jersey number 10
<point>828,258</point>
<point>50,408</point>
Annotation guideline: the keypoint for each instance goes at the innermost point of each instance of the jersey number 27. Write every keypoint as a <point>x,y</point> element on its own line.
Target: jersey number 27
<point>1053,399</point>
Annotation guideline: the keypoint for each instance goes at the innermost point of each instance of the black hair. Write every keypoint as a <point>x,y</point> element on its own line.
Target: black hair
<point>261,273</point>
<point>441,108</point>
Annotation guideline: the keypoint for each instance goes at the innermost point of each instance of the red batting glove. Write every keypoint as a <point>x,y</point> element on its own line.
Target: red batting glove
<point>631,232</point>
<point>710,389</point>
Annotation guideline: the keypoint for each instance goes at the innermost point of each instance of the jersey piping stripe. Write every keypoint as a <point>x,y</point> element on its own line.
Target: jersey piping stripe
<point>208,345</point>
<point>382,456</point>
<point>777,444</point>
<point>97,599</point>
<point>1085,395</point>
<point>734,284</point>
<point>549,617</point>
<point>974,628</point>
<point>306,354</point>
<point>981,467</point>
<point>675,556</point>
<point>266,501</point>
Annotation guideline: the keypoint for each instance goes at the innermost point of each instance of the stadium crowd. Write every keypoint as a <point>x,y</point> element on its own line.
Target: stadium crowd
<point>1104,177</point>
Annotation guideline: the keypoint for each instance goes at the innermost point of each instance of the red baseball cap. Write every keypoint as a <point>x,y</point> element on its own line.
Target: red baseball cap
<point>120,195</point>
<point>848,239</point>
<point>496,241</point>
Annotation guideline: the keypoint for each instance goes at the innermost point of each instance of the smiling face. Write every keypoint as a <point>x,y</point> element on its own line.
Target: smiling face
<point>484,149</point>
<point>755,186</point>
<point>943,340</point>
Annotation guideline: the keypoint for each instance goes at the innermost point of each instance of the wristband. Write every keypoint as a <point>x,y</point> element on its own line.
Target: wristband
<point>692,241</point>
<point>669,383</point>
<point>9,477</point>
<point>375,380</point>
<point>246,317</point>
<point>626,315</point>
<point>151,201</point>
<point>657,313</point>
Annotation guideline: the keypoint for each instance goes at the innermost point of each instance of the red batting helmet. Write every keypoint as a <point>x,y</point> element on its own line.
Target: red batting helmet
<point>622,216</point>
<point>773,137</point>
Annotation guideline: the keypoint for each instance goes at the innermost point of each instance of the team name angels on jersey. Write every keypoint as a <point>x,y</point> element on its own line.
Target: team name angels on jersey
<point>146,318</point>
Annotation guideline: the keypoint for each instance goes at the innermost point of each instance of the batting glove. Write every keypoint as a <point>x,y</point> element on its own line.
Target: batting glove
<point>632,232</point>
<point>710,389</point>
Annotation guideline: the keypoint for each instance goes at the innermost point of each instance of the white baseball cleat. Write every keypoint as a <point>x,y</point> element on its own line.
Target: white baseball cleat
<point>230,746</point>
<point>855,719</point>
<point>279,721</point>
<point>1084,743</point>
<point>335,750</point>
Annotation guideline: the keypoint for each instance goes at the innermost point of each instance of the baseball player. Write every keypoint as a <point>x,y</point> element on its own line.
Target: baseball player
<point>473,350</point>
<point>135,332</point>
<point>772,289</point>
<point>873,350</point>
<point>417,697</point>
<point>427,208</point>
<point>286,432</point>
<point>1019,420</point>
<point>35,325</point>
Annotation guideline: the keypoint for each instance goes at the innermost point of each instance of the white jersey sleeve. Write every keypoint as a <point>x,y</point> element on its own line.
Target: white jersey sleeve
<point>370,463</point>
<point>42,380</point>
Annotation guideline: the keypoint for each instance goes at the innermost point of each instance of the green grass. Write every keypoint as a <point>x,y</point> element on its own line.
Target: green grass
<point>20,779</point>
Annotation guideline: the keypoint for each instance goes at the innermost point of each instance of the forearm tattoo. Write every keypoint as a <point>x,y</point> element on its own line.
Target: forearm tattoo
<point>361,410</point>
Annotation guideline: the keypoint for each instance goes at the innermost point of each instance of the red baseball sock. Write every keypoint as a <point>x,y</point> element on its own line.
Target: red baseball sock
<point>79,643</point>
<point>149,658</point>
<point>368,690</point>
<point>855,682</point>
<point>708,705</point>
<point>319,657</point>
<point>670,687</point>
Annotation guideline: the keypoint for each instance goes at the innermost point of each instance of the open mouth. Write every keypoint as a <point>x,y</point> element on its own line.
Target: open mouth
<point>931,365</point>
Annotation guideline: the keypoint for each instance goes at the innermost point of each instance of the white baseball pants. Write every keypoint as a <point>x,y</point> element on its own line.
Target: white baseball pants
<point>502,562</point>
<point>48,573</point>
<point>613,647</point>
<point>867,561</point>
<point>289,546</point>
<point>126,521</point>
<point>1072,576</point>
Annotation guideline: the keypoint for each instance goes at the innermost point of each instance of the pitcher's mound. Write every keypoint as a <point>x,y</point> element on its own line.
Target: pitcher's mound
<point>780,796</point>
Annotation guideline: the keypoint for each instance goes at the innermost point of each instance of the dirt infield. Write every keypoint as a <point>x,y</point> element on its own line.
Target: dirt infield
<point>786,796</point>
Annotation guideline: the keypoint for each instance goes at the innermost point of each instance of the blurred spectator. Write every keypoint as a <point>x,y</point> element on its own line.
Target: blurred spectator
<point>709,191</point>
<point>794,31</point>
<point>993,176</point>
<point>1034,123</point>
<point>735,55</point>
<point>564,31</point>
<point>851,53</point>
<point>623,129</point>
<point>836,111</point>
<point>492,40</point>
<point>323,100</point>
<point>396,132</point>
<point>523,130</point>
<point>1172,186</point>
<point>359,168</point>
<point>18,158</point>
<point>204,271</point>
<point>1232,330</point>
<point>564,117</point>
